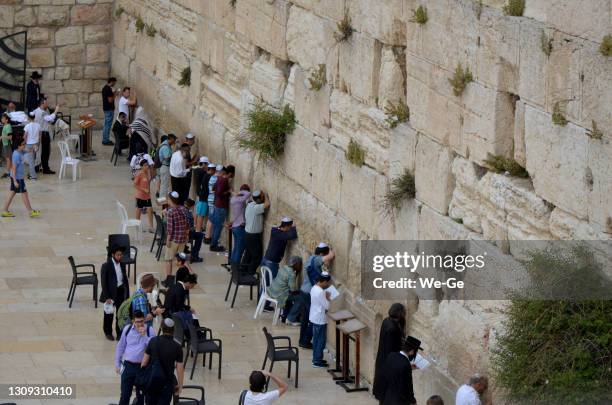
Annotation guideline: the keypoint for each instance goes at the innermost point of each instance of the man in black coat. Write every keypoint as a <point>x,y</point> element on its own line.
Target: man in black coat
<point>177,295</point>
<point>396,379</point>
<point>391,338</point>
<point>115,288</point>
<point>33,92</point>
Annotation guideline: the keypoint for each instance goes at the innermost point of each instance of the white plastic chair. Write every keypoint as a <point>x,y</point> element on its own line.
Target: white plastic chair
<point>128,223</point>
<point>68,160</point>
<point>63,129</point>
<point>266,273</point>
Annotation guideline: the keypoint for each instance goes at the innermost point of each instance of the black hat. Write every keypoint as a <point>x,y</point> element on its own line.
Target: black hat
<point>35,75</point>
<point>413,343</point>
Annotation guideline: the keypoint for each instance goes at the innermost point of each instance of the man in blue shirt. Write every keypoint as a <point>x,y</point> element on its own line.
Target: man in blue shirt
<point>279,237</point>
<point>18,183</point>
<point>165,154</point>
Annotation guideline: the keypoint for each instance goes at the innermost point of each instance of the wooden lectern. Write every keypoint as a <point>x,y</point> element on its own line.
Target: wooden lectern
<point>339,317</point>
<point>86,124</point>
<point>353,326</point>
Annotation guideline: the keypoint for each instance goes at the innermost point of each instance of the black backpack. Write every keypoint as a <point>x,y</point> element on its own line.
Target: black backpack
<point>157,163</point>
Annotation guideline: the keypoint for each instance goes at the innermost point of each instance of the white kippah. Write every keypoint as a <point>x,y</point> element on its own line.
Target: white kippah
<point>169,322</point>
<point>203,159</point>
<point>219,168</point>
<point>174,194</point>
<point>286,220</point>
<point>322,245</point>
<point>256,193</point>
<point>211,166</point>
<point>189,136</point>
<point>325,274</point>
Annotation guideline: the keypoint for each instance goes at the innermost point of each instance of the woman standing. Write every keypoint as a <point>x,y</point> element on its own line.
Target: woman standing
<point>392,333</point>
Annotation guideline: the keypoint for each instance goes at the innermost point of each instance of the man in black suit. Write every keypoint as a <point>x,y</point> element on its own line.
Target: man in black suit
<point>396,379</point>
<point>177,295</point>
<point>115,288</point>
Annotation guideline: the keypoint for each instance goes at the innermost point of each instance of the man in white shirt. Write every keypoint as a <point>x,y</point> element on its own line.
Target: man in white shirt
<point>32,136</point>
<point>319,304</point>
<point>179,180</point>
<point>43,118</point>
<point>253,230</point>
<point>469,394</point>
<point>257,382</point>
<point>125,103</point>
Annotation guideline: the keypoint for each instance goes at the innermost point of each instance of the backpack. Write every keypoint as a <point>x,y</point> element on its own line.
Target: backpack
<point>125,311</point>
<point>242,397</point>
<point>156,159</point>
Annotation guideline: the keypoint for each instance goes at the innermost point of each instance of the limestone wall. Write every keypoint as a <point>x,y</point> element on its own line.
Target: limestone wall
<point>269,48</point>
<point>69,44</point>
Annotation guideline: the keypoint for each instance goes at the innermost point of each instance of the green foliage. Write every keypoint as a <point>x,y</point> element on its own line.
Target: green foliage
<point>118,12</point>
<point>345,29</point>
<point>419,15</point>
<point>185,80</point>
<point>318,78</point>
<point>546,43</point>
<point>355,153</point>
<point>267,130</point>
<point>396,113</point>
<point>501,164</point>
<point>460,79</point>
<point>515,8</point>
<point>151,30</point>
<point>606,46</point>
<point>402,188</point>
<point>595,133</point>
<point>479,7</point>
<point>557,116</point>
<point>139,24</point>
<point>233,3</point>
<point>557,351</point>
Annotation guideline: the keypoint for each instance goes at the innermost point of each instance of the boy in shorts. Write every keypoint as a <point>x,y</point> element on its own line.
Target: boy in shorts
<point>142,183</point>
<point>18,183</point>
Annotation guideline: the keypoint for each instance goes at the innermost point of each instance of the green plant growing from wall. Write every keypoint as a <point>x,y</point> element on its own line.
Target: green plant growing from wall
<point>150,30</point>
<point>402,188</point>
<point>118,12</point>
<point>267,130</point>
<point>233,3</point>
<point>345,29</point>
<point>515,8</point>
<point>460,79</point>
<point>185,80</point>
<point>546,43</point>
<point>318,78</point>
<point>355,153</point>
<point>557,351</point>
<point>501,164</point>
<point>396,113</point>
<point>419,15</point>
<point>606,46</point>
<point>557,116</point>
<point>595,132</point>
<point>139,24</point>
<point>479,7</point>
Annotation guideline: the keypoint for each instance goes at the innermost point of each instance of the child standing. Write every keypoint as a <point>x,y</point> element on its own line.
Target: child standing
<point>18,183</point>
<point>319,304</point>
<point>142,183</point>
<point>7,135</point>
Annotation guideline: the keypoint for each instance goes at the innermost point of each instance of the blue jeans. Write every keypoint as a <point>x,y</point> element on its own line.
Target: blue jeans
<point>306,327</point>
<point>319,338</point>
<point>238,244</point>
<point>218,217</point>
<point>272,266</point>
<point>108,122</point>
<point>128,381</point>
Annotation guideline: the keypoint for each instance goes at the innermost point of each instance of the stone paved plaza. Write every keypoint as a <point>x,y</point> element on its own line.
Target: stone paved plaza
<point>43,341</point>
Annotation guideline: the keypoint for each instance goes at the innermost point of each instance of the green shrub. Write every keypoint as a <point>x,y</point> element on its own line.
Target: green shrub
<point>318,78</point>
<point>595,133</point>
<point>606,46</point>
<point>345,29</point>
<point>557,116</point>
<point>460,79</point>
<point>546,43</point>
<point>139,24</point>
<point>557,351</point>
<point>355,153</point>
<point>396,113</point>
<point>501,164</point>
<point>515,8</point>
<point>419,15</point>
<point>402,188</point>
<point>267,130</point>
<point>118,12</point>
<point>151,30</point>
<point>185,80</point>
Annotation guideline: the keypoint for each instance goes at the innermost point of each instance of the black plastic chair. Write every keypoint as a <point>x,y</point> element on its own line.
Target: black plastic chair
<point>131,252</point>
<point>82,278</point>
<point>161,242</point>
<point>239,278</point>
<point>117,148</point>
<point>287,353</point>
<point>189,400</point>
<point>204,344</point>
<point>159,225</point>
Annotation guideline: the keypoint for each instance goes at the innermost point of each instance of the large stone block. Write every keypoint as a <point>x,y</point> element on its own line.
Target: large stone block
<point>90,14</point>
<point>309,38</point>
<point>70,55</point>
<point>566,226</point>
<point>435,226</point>
<point>519,133</point>
<point>52,15</point>
<point>392,87</point>
<point>465,202</point>
<point>326,170</point>
<point>120,66</point>
<point>267,81</point>
<point>7,14</point>
<point>40,36</point>
<point>98,53</point>
<point>264,23</point>
<point>331,9</point>
<point>26,17</point>
<point>433,177</point>
<point>76,86</point>
<point>555,152</point>
<point>213,47</point>
<point>241,56</point>
<point>68,36</point>
<point>41,57</point>
<point>311,106</point>
<point>533,64</point>
<point>383,20</point>
<point>97,34</point>
<point>359,67</point>
<point>596,88</point>
<point>402,150</point>
<point>62,73</point>
<point>96,72</point>
<point>600,183</point>
<point>67,100</point>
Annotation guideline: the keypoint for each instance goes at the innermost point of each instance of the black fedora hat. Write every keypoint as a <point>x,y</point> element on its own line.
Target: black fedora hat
<point>413,343</point>
<point>35,75</point>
